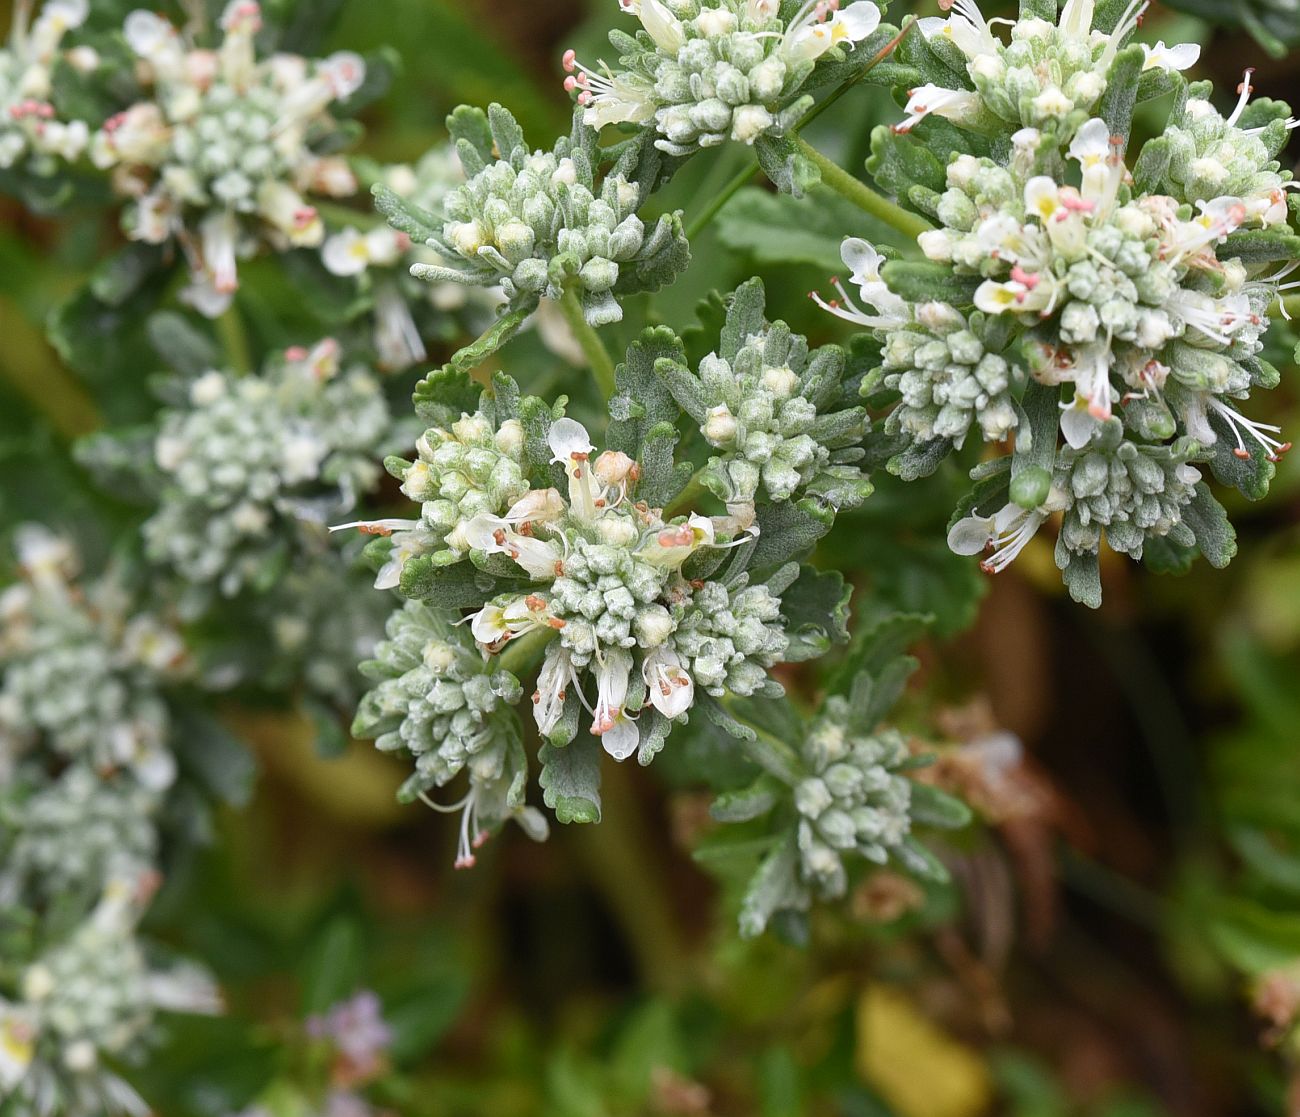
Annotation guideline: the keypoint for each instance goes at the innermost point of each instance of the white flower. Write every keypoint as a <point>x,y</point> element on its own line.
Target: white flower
<point>553,682</point>
<point>809,39</point>
<point>617,732</point>
<point>495,536</point>
<point>670,687</point>
<point>1004,535</point>
<point>966,28</point>
<point>954,104</point>
<point>571,446</point>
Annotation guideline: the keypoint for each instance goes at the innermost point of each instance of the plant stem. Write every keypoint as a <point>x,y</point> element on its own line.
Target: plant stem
<point>834,177</point>
<point>725,195</point>
<point>880,55</point>
<point>602,368</point>
<point>234,340</point>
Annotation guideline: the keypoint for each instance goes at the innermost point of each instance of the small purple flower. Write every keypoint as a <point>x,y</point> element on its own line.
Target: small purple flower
<point>357,1030</point>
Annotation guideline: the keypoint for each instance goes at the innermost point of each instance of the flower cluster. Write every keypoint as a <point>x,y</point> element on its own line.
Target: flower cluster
<point>538,223</point>
<point>468,469</point>
<point>581,567</point>
<point>853,800</point>
<point>380,258</point>
<point>780,417</point>
<point>84,751</point>
<point>438,700</point>
<point>835,792</point>
<point>223,156</point>
<point>31,132</point>
<point>1048,76</point>
<point>606,576</point>
<point>247,461</point>
<point>1136,297</point>
<point>703,73</point>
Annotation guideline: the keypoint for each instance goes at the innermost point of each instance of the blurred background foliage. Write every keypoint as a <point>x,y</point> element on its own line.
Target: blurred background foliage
<point>1123,935</point>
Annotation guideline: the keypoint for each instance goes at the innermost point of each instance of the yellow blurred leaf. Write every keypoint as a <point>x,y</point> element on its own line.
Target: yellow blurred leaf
<point>359,787</point>
<point>917,1068</point>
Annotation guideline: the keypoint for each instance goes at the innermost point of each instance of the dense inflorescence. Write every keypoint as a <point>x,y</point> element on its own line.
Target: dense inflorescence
<point>86,760</point>
<point>225,153</point>
<point>540,223</point>
<point>1134,295</point>
<point>403,310</point>
<point>245,463</point>
<point>701,74</point>
<point>33,136</point>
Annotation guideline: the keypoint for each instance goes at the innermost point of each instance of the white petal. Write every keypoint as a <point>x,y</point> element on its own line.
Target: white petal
<point>1092,140</point>
<point>862,258</point>
<point>566,438</point>
<point>859,19</point>
<point>971,535</point>
<point>1077,424</point>
<point>621,740</point>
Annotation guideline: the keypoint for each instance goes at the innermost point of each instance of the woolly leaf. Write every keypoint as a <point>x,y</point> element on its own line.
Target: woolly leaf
<point>1081,574</point>
<point>775,887</point>
<point>1209,523</point>
<point>570,779</point>
<point>786,531</point>
<point>933,807</point>
<point>180,344</point>
<point>788,169</point>
<point>641,398</point>
<point>1117,102</point>
<point>405,216</point>
<point>749,802</point>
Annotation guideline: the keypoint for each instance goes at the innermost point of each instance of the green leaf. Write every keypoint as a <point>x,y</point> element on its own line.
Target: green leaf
<point>333,964</point>
<point>781,230</point>
<point>749,802</point>
<point>787,531</point>
<point>775,887</point>
<point>405,216</point>
<point>570,779</point>
<point>642,398</point>
<point>786,167</point>
<point>923,281</point>
<point>875,647</point>
<point>933,807</point>
<point>461,586</point>
<point>816,608</point>
<point>1208,520</point>
<point>183,347</point>
<point>1117,102</point>
<point>1081,574</point>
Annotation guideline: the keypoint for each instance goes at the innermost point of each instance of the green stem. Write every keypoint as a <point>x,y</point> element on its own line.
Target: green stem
<point>234,340</point>
<point>721,199</point>
<point>834,177</point>
<point>880,55</point>
<point>597,358</point>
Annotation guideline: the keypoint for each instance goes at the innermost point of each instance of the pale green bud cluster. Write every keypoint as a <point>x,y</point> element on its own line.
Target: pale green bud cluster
<point>83,681</point>
<point>85,762</point>
<point>534,222</point>
<point>606,597</point>
<point>437,699</point>
<point>1132,491</point>
<point>770,414</point>
<point>468,469</point>
<point>704,73</point>
<point>250,460</point>
<point>785,425</point>
<point>947,380</point>
<point>853,802</point>
<point>731,634</point>
<point>79,830</point>
<point>1210,155</point>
